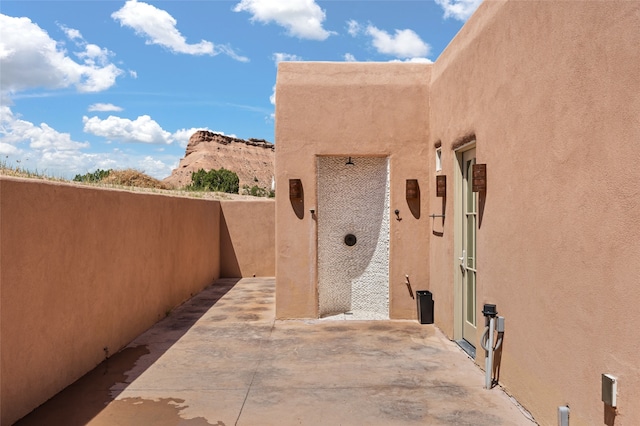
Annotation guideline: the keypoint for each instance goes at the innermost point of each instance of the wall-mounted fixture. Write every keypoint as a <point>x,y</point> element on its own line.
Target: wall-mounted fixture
<point>350,240</point>
<point>413,190</point>
<point>563,415</point>
<point>349,162</point>
<point>397,212</point>
<point>609,390</point>
<point>295,189</point>
<point>479,178</point>
<point>441,186</point>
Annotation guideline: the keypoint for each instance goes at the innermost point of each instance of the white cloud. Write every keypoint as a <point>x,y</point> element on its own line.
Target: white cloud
<point>104,107</point>
<point>7,149</point>
<point>133,74</point>
<point>71,33</point>
<point>65,164</point>
<point>159,27</point>
<point>30,58</point>
<point>353,27</point>
<point>94,54</point>
<point>279,57</point>
<point>301,18</point>
<point>348,57</point>
<point>14,131</point>
<point>404,44</point>
<point>142,130</point>
<point>47,151</point>
<point>272,98</point>
<point>153,167</point>
<point>182,136</point>
<point>414,60</point>
<point>458,9</point>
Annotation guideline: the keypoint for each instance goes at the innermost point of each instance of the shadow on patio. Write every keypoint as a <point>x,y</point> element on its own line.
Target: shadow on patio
<point>86,398</point>
<point>222,359</point>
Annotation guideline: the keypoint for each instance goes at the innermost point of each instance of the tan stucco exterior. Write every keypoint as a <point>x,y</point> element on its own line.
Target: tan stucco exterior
<point>325,109</point>
<point>549,92</point>
<point>247,238</point>
<point>83,269</point>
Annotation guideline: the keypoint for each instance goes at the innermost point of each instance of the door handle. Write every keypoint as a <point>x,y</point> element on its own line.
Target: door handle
<point>462,261</point>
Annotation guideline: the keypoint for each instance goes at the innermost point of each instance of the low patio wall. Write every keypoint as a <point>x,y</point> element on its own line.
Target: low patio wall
<point>247,238</point>
<point>83,269</point>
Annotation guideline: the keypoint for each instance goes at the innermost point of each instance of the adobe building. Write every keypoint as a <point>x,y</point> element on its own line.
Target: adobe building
<point>375,169</point>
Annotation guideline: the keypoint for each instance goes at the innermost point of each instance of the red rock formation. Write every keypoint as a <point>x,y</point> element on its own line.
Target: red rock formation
<point>252,160</point>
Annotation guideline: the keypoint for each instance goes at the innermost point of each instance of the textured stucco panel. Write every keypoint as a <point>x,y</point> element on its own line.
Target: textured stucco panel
<point>353,199</point>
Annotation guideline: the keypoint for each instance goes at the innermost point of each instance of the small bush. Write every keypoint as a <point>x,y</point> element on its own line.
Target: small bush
<point>257,191</point>
<point>222,180</point>
<point>94,177</point>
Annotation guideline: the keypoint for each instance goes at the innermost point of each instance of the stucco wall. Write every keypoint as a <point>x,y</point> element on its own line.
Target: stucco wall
<point>247,238</point>
<point>550,90</point>
<point>82,269</point>
<point>350,109</point>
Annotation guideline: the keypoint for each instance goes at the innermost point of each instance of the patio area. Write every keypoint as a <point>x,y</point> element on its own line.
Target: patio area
<point>222,359</point>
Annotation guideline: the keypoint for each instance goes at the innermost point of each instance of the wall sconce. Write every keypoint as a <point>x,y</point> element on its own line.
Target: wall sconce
<point>295,189</point>
<point>413,190</point>
<point>441,186</point>
<point>479,178</point>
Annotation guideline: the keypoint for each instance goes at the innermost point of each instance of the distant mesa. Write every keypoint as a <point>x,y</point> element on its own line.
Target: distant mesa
<point>252,160</point>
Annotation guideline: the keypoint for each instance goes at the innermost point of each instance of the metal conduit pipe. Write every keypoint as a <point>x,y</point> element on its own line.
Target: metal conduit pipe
<point>487,341</point>
<point>486,334</point>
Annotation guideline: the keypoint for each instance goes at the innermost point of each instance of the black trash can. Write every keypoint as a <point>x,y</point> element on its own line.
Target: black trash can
<point>424,299</point>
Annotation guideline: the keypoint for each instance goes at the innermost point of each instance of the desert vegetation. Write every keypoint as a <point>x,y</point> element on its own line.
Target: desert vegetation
<point>257,191</point>
<point>222,180</point>
<point>215,184</point>
<point>127,177</point>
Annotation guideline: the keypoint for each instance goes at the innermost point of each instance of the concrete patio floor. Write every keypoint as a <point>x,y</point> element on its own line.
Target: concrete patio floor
<point>222,359</point>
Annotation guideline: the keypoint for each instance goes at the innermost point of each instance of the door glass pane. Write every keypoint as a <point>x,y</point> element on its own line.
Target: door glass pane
<point>471,241</point>
<point>471,196</point>
<point>470,309</point>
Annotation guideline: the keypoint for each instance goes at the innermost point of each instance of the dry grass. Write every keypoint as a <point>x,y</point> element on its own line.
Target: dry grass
<point>131,177</point>
<point>18,171</point>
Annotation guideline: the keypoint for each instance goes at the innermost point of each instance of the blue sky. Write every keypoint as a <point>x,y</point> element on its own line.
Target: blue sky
<point>89,85</point>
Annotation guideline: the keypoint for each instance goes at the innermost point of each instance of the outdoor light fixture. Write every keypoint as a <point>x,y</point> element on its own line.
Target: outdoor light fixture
<point>609,390</point>
<point>295,189</point>
<point>479,178</point>
<point>413,190</point>
<point>349,162</point>
<point>441,186</point>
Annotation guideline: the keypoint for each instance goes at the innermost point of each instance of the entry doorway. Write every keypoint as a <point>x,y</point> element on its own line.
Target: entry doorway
<point>466,225</point>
